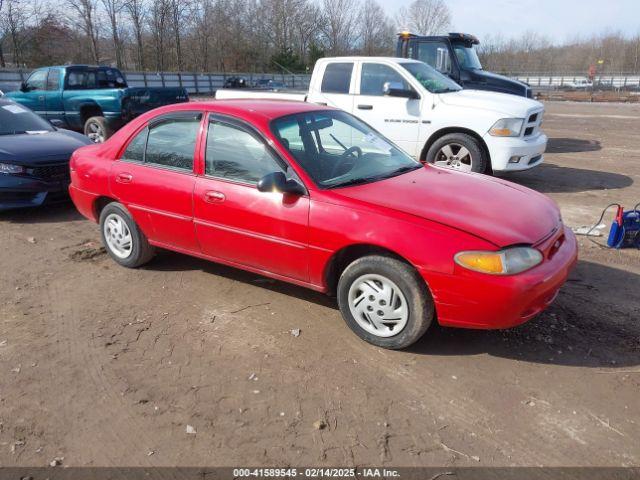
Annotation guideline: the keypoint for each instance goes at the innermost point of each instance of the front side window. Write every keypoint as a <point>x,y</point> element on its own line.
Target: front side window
<point>336,149</point>
<point>435,54</point>
<point>37,80</point>
<point>236,154</point>
<point>337,78</point>
<point>375,75</point>
<point>53,79</point>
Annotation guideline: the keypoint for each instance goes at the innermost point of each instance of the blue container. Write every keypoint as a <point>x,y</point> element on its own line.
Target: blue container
<point>625,234</point>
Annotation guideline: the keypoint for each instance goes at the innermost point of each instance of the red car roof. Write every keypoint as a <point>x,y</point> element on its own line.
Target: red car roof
<point>268,109</point>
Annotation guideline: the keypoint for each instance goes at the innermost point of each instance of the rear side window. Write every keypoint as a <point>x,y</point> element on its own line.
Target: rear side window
<point>337,78</point>
<point>135,150</point>
<point>172,142</point>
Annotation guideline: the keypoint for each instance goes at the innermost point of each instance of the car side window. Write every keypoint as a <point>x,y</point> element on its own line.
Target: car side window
<point>375,75</point>
<point>135,149</point>
<point>172,141</point>
<point>236,154</point>
<point>53,79</point>
<point>37,80</point>
<point>337,78</point>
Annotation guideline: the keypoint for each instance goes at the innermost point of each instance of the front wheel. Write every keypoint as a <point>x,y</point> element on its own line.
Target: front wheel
<point>458,151</point>
<point>385,301</point>
<point>97,129</point>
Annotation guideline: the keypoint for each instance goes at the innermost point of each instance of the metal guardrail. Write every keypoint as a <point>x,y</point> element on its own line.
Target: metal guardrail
<point>195,83</point>
<point>208,83</point>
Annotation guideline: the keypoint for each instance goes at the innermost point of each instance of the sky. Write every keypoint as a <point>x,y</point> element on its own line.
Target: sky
<point>560,20</point>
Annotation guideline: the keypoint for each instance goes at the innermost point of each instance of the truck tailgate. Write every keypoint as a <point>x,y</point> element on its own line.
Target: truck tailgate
<point>229,93</point>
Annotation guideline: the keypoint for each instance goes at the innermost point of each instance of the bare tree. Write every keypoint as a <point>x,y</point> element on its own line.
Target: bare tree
<point>113,9</point>
<point>376,31</point>
<point>424,17</point>
<point>177,15</point>
<point>14,20</point>
<point>159,23</point>
<point>340,18</point>
<point>85,13</point>
<point>2,61</point>
<point>136,10</point>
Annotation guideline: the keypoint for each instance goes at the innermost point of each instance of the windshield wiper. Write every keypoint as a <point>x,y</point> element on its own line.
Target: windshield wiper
<point>14,132</point>
<point>375,178</point>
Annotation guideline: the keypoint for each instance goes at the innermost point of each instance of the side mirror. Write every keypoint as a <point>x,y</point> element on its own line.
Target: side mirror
<point>396,89</point>
<point>277,182</point>
<point>56,122</point>
<point>23,87</point>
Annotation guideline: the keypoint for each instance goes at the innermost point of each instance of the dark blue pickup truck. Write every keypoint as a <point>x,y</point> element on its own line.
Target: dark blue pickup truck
<point>455,56</point>
<point>94,100</point>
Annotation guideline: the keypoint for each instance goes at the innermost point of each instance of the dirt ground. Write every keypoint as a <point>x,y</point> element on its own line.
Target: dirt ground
<point>106,366</point>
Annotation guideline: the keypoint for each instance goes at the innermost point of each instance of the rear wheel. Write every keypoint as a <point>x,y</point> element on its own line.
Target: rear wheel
<point>122,238</point>
<point>458,151</point>
<point>97,129</point>
<point>385,301</point>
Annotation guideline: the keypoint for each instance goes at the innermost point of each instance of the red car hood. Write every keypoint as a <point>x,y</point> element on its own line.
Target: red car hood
<point>498,211</point>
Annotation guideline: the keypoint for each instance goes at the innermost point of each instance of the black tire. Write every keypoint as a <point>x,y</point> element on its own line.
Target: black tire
<point>479,161</point>
<point>406,278</point>
<point>97,129</point>
<point>141,250</point>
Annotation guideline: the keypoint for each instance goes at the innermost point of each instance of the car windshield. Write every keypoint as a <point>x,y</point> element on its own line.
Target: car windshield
<point>467,57</point>
<point>16,119</point>
<point>430,78</point>
<point>94,78</point>
<point>336,149</point>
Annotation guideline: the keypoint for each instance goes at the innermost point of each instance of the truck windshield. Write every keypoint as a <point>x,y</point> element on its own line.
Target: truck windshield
<point>430,78</point>
<point>467,57</point>
<point>336,149</point>
<point>94,78</point>
<point>17,120</point>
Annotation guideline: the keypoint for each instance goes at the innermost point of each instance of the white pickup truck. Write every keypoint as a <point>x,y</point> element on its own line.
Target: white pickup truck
<point>426,113</point>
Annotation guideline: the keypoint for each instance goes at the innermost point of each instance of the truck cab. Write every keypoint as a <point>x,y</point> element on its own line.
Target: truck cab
<point>455,56</point>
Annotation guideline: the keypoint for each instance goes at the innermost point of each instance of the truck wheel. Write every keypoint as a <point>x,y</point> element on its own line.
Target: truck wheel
<point>458,151</point>
<point>97,129</point>
<point>385,301</point>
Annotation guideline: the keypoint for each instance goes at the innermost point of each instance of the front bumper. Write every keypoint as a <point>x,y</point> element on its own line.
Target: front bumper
<point>22,191</point>
<point>530,151</point>
<point>473,300</point>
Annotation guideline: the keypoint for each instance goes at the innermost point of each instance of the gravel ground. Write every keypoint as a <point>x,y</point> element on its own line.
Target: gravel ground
<point>186,362</point>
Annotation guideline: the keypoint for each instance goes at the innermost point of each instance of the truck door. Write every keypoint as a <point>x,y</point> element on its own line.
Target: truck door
<point>32,96</point>
<point>53,96</point>
<point>397,118</point>
<point>336,86</point>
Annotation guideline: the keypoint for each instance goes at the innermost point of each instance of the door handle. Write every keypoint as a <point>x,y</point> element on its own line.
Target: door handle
<point>41,98</point>
<point>124,178</point>
<point>365,107</point>
<point>214,197</point>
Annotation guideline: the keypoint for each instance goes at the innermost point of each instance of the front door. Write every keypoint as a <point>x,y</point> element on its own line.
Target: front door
<point>33,95</point>
<point>154,179</point>
<point>396,118</point>
<point>236,222</point>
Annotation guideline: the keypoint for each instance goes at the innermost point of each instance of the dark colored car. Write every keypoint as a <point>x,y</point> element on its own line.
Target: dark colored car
<point>455,56</point>
<point>34,158</point>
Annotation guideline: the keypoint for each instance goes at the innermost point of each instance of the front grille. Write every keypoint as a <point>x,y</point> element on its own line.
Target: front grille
<point>51,172</point>
<point>533,124</point>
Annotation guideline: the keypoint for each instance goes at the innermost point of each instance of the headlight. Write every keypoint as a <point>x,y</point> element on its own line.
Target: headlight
<point>11,169</point>
<point>507,127</point>
<point>505,262</point>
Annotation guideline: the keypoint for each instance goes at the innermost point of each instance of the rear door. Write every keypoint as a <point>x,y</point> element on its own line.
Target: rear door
<point>396,118</point>
<point>236,222</point>
<point>155,179</point>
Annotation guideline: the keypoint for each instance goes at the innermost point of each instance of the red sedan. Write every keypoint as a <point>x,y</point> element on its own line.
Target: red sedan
<point>313,196</point>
